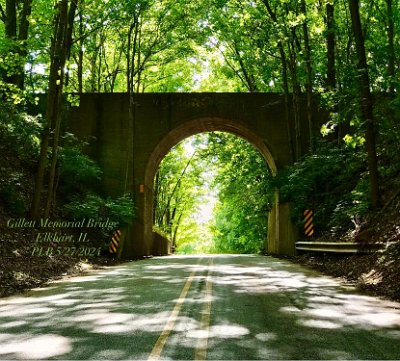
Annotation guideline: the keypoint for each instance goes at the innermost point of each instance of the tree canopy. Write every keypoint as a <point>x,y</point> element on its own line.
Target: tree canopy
<point>211,195</point>
<point>339,55</point>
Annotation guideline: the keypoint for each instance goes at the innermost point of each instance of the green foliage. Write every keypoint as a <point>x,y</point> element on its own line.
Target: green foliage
<point>78,172</point>
<point>352,206</point>
<point>79,179</point>
<point>121,209</point>
<point>178,188</point>
<point>11,192</point>
<point>332,182</point>
<point>237,41</point>
<point>214,45</point>
<point>243,184</point>
<point>20,133</point>
<point>19,146</point>
<point>194,237</point>
<point>11,95</point>
<point>388,113</point>
<point>219,171</point>
<point>238,230</point>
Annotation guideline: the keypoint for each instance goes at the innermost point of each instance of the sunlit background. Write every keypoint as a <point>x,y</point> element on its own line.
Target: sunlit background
<point>211,195</point>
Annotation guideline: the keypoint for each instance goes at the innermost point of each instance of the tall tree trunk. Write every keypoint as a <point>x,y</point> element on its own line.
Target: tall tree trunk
<point>51,108</point>
<point>58,56</point>
<point>23,37</point>
<point>294,46</point>
<point>80,71</point>
<point>285,81</point>
<point>155,195</point>
<point>93,67</point>
<point>177,185</point>
<point>63,52</point>
<point>309,90</point>
<point>16,31</point>
<point>249,78</point>
<point>366,102</point>
<point>10,21</point>
<point>391,51</point>
<point>100,64</point>
<point>330,83</point>
<point>80,51</point>
<point>286,95</point>
<point>330,47</point>
<point>295,98</point>
<point>132,53</point>
<point>175,232</point>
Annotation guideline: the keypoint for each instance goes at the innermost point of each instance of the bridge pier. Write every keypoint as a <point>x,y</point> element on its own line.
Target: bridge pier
<point>140,238</point>
<point>281,232</point>
<point>139,234</point>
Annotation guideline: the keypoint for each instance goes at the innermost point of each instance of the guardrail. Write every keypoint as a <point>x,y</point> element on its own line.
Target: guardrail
<point>339,247</point>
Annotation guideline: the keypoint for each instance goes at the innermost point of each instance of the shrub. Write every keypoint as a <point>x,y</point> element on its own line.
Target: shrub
<point>78,173</point>
<point>120,210</point>
<point>79,179</point>
<point>329,183</point>
<point>20,133</point>
<point>10,193</point>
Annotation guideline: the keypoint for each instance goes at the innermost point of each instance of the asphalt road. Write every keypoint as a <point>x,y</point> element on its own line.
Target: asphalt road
<point>218,307</point>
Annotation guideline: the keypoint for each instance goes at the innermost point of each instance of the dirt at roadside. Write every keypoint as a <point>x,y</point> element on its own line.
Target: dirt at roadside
<point>17,276</point>
<point>20,271</point>
<point>377,273</point>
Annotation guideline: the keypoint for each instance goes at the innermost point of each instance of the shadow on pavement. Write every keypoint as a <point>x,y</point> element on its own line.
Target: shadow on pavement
<point>262,308</point>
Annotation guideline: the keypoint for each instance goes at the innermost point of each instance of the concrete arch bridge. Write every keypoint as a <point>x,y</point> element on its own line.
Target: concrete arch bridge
<point>159,122</point>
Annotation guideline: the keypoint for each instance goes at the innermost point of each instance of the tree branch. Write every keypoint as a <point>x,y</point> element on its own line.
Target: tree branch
<point>237,72</point>
<point>84,36</point>
<point>177,185</point>
<point>271,13</point>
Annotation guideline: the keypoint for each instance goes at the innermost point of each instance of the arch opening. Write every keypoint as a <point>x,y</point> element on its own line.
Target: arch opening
<point>195,127</point>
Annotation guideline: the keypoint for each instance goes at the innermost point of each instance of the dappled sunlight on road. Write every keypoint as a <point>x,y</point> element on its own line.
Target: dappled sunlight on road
<point>303,310</point>
<point>317,302</point>
<point>261,308</point>
<point>343,310</point>
<point>79,309</point>
<point>265,279</point>
<point>221,332</point>
<point>29,346</point>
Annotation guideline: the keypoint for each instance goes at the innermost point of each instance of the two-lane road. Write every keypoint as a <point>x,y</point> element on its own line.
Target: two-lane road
<point>219,307</point>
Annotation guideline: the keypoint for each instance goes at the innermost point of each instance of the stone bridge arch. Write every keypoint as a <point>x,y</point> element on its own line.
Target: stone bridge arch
<point>160,121</point>
<point>182,132</point>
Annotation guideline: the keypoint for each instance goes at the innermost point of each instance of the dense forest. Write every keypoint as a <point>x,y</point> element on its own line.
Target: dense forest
<point>342,56</point>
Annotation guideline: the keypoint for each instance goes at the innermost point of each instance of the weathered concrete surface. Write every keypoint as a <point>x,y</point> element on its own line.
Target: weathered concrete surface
<point>162,120</point>
<point>161,245</point>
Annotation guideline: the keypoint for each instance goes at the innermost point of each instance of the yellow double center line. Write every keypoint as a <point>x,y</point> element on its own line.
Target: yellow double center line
<point>158,347</point>
<point>201,348</point>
